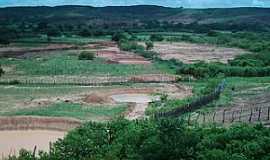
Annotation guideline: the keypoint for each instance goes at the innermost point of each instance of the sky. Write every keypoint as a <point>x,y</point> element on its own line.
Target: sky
<point>167,3</point>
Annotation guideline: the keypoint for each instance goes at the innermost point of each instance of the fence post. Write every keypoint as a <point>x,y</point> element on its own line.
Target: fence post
<point>233,116</point>
<point>240,115</point>
<point>203,117</point>
<point>34,152</point>
<point>268,114</point>
<point>223,116</point>
<point>189,119</point>
<point>198,117</point>
<point>214,116</point>
<point>251,114</point>
<point>260,111</point>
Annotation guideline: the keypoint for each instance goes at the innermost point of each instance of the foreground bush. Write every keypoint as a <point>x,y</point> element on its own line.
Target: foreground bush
<point>85,55</point>
<point>166,139</point>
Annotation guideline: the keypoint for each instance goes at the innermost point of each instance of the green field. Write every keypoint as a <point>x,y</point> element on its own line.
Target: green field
<point>73,110</point>
<point>67,63</point>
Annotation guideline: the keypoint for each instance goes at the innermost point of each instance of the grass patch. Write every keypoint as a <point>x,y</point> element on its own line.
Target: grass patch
<point>78,111</point>
<point>67,63</point>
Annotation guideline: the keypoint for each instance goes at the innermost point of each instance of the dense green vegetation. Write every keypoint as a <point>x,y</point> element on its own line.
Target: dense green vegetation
<point>165,139</point>
<point>96,21</point>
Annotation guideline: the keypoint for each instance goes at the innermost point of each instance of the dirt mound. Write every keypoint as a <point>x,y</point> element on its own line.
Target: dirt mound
<point>97,99</point>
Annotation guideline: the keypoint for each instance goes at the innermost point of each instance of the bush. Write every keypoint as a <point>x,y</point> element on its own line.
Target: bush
<point>149,45</point>
<point>130,46</point>
<point>122,36</point>
<point>1,71</point>
<point>85,55</point>
<point>156,37</point>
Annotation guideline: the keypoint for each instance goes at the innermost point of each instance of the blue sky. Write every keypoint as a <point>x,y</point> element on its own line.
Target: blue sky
<point>169,3</point>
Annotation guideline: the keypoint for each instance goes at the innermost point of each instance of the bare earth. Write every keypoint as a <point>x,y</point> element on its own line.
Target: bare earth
<point>190,53</point>
<point>114,55</point>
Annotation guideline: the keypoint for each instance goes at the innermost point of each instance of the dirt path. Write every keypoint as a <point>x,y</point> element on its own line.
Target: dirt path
<point>138,111</point>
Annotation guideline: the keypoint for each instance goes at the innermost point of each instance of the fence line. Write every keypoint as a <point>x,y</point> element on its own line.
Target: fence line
<point>197,104</point>
<point>226,116</point>
<point>95,81</point>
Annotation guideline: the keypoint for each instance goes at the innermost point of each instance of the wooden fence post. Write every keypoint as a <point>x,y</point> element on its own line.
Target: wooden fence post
<point>240,115</point>
<point>233,116</point>
<point>223,116</point>
<point>197,119</point>
<point>268,114</point>
<point>251,114</point>
<point>214,116</point>
<point>189,119</point>
<point>260,111</point>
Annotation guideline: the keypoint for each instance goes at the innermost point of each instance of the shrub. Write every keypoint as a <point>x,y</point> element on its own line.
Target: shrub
<point>122,36</point>
<point>1,71</point>
<point>156,37</point>
<point>85,55</point>
<point>149,45</point>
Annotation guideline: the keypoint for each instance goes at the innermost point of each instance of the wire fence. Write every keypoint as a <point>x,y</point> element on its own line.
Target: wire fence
<point>196,104</point>
<point>252,114</point>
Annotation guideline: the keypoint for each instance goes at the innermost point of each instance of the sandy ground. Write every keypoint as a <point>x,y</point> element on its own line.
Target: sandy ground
<point>140,102</point>
<point>190,53</point>
<point>13,141</point>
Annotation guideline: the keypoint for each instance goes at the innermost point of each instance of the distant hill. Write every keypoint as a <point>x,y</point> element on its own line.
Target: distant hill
<point>135,15</point>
